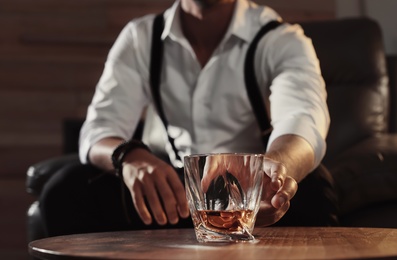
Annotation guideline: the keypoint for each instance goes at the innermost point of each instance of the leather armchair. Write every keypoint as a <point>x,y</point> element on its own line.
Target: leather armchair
<point>362,144</point>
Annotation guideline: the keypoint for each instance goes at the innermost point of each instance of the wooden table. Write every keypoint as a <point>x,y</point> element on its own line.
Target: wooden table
<point>272,243</point>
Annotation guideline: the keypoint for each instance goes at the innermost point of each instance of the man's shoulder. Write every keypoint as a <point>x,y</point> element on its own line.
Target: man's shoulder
<point>141,23</point>
<point>262,14</point>
<point>265,14</point>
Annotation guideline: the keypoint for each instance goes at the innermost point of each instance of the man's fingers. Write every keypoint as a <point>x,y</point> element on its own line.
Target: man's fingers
<point>285,194</point>
<point>276,172</point>
<point>269,215</point>
<point>139,202</point>
<point>180,195</point>
<point>169,202</point>
<point>154,202</point>
<point>173,195</point>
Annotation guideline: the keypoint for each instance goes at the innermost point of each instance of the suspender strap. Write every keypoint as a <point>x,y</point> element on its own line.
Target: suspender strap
<point>156,59</point>
<point>252,85</point>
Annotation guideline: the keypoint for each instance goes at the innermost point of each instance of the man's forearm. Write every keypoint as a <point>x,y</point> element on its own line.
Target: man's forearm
<point>295,153</point>
<point>101,152</point>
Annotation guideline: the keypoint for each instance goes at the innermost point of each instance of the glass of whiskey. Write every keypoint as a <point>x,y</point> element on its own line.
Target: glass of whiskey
<point>224,192</point>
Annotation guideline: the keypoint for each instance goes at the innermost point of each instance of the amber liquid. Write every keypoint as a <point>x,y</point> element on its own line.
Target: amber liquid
<point>227,221</point>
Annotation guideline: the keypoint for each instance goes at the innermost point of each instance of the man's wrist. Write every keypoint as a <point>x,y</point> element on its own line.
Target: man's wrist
<point>122,150</point>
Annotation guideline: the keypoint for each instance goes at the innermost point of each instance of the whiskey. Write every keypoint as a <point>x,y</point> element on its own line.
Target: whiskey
<point>227,220</point>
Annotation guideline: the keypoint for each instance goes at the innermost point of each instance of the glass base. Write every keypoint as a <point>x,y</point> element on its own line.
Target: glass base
<point>205,235</point>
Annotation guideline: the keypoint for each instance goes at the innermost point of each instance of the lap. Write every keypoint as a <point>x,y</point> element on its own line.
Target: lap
<point>86,199</point>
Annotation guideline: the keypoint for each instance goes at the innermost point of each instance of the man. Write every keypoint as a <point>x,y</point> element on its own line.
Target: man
<point>205,101</point>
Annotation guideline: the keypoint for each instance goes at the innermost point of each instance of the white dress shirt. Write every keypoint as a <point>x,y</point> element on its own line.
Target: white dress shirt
<point>208,108</point>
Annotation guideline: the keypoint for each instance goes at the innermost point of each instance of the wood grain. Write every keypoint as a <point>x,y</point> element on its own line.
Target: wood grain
<point>272,243</point>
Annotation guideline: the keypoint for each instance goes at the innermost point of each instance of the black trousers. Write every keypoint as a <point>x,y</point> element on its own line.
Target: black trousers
<point>81,199</point>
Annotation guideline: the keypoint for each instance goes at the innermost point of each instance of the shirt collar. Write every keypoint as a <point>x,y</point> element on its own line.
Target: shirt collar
<point>238,25</point>
<point>172,24</point>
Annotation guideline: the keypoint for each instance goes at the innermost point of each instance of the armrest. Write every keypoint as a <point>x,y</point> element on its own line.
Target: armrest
<point>39,173</point>
<point>366,174</point>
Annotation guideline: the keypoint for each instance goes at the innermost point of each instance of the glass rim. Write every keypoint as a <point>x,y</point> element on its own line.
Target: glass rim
<point>197,155</point>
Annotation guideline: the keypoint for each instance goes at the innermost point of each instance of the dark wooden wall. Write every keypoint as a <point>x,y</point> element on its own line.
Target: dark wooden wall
<point>51,56</point>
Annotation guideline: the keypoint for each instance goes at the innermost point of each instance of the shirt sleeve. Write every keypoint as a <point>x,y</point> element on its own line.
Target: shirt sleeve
<point>297,89</point>
<point>120,95</point>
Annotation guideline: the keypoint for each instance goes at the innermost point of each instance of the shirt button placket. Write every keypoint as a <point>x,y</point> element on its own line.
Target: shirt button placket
<point>201,111</point>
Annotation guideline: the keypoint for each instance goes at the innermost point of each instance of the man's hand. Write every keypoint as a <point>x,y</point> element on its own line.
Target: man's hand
<point>278,190</point>
<point>278,187</point>
<point>155,188</point>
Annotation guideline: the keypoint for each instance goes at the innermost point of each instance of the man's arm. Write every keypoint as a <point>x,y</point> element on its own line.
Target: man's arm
<point>295,153</point>
<point>289,160</point>
<point>101,152</point>
<point>297,93</point>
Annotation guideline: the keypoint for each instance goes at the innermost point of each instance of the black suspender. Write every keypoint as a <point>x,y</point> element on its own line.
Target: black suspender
<point>156,59</point>
<point>252,86</point>
<point>251,83</point>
